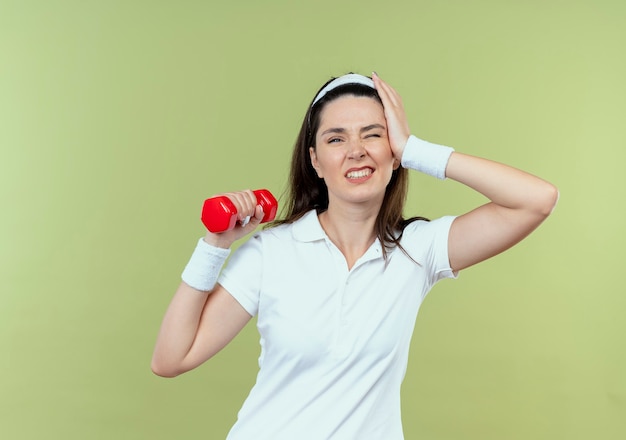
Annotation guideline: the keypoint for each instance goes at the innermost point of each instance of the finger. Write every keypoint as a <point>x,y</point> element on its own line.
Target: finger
<point>393,94</point>
<point>249,206</point>
<point>382,91</point>
<point>393,113</point>
<point>397,124</point>
<point>250,200</point>
<point>245,203</point>
<point>251,222</point>
<point>258,214</point>
<point>389,93</point>
<point>392,103</point>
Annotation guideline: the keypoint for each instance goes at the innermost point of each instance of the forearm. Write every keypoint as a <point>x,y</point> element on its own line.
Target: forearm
<point>519,203</point>
<point>181,323</point>
<point>178,330</point>
<point>505,186</point>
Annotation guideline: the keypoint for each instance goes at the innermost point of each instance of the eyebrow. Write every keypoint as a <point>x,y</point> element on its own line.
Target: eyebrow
<point>362,130</point>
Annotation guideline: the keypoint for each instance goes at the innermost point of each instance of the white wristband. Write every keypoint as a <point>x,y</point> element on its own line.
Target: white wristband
<point>204,266</point>
<point>428,158</point>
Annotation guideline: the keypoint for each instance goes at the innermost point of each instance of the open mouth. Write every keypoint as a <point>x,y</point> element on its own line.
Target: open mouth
<point>359,174</point>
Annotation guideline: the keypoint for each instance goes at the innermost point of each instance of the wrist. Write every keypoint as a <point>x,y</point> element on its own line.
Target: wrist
<point>217,240</point>
<point>426,157</point>
<point>204,266</point>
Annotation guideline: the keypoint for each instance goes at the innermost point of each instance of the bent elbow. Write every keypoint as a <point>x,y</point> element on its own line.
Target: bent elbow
<point>549,200</point>
<point>164,370</point>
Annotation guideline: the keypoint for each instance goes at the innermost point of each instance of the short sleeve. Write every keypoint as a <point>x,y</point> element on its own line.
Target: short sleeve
<point>427,243</point>
<point>242,275</point>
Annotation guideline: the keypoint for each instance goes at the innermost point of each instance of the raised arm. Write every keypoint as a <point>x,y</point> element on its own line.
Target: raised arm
<point>201,320</point>
<point>519,201</point>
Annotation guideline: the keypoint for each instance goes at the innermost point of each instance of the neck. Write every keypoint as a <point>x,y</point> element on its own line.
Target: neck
<point>351,229</point>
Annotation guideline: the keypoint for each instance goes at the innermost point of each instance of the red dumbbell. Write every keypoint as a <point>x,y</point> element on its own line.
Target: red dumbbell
<point>219,213</point>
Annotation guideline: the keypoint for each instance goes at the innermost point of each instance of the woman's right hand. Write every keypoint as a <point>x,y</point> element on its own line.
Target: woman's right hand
<point>247,208</point>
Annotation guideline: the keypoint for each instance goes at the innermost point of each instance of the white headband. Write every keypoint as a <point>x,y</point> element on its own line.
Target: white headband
<point>350,78</point>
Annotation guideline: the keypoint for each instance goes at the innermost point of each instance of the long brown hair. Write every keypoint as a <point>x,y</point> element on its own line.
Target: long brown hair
<point>307,191</point>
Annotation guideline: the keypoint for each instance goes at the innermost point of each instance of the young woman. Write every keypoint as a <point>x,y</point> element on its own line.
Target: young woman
<point>336,285</point>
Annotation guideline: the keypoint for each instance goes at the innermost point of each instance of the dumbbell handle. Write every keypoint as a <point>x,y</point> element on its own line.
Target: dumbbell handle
<point>219,214</point>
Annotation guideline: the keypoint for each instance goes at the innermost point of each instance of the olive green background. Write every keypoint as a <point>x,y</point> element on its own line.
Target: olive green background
<point>118,118</point>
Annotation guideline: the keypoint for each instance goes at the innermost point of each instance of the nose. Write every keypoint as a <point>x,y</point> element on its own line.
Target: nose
<point>357,151</point>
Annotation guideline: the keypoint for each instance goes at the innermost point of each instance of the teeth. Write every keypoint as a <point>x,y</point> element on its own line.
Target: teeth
<point>359,173</point>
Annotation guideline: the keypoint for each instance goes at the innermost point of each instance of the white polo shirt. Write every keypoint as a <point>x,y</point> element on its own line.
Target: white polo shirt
<point>334,342</point>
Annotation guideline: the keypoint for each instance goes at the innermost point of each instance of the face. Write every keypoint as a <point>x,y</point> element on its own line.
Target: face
<point>352,152</point>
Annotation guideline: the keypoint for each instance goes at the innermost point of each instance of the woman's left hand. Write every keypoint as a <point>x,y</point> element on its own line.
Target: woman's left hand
<point>397,124</point>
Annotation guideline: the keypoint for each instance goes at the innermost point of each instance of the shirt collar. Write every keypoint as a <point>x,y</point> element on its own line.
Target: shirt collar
<point>308,228</point>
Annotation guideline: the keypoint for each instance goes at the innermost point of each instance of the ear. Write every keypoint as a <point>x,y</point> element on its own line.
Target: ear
<point>316,166</point>
<point>396,164</point>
